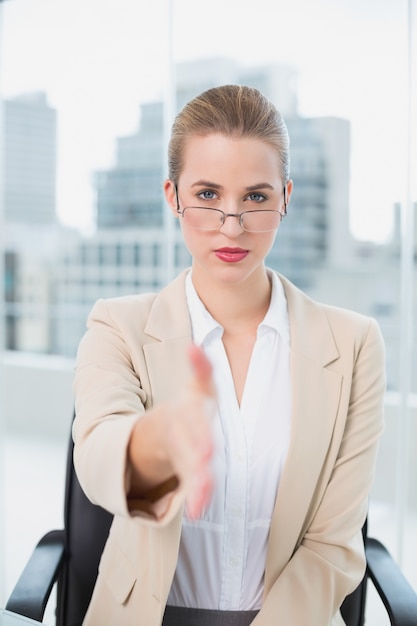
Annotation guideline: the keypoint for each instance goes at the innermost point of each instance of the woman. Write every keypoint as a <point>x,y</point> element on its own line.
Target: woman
<point>229,423</point>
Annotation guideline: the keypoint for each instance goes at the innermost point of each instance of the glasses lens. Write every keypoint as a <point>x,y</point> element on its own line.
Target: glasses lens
<point>261,221</point>
<point>202,218</point>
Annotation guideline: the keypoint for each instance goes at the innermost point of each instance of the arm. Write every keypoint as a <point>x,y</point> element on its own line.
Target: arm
<point>124,452</point>
<point>329,561</point>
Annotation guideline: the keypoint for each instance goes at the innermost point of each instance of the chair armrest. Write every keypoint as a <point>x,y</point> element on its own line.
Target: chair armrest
<point>396,593</point>
<point>31,592</point>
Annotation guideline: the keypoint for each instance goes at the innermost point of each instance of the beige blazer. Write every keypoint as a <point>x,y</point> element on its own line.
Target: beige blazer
<point>133,356</point>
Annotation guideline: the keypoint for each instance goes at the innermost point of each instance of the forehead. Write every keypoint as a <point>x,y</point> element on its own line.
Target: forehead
<point>216,157</point>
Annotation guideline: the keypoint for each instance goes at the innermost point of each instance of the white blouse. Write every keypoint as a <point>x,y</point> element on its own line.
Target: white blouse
<point>222,555</point>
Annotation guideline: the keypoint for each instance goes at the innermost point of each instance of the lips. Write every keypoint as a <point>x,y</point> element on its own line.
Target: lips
<point>231,255</point>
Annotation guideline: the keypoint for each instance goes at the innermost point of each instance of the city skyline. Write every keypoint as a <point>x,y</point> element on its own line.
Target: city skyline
<point>132,249</point>
<point>96,102</point>
<point>55,277</point>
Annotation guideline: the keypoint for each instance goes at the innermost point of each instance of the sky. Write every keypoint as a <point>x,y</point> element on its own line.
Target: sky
<point>98,60</point>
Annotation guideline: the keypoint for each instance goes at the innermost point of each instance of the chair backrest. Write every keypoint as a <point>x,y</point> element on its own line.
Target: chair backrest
<point>86,530</point>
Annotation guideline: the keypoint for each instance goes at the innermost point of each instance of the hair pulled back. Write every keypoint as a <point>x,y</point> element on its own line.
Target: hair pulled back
<point>234,111</point>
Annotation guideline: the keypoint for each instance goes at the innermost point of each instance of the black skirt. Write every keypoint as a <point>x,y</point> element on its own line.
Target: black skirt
<point>178,616</point>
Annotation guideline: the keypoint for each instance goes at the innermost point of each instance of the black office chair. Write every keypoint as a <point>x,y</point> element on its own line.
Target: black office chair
<point>70,558</point>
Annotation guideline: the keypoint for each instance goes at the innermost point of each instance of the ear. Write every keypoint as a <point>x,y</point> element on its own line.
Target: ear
<point>170,195</point>
<point>288,192</point>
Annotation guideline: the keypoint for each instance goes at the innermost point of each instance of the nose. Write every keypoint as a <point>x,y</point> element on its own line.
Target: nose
<point>231,226</point>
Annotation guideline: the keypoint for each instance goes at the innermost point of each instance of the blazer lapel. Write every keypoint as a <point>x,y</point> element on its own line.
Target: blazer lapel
<point>315,397</point>
<point>169,331</point>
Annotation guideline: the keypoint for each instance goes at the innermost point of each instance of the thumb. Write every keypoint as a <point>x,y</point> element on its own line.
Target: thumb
<point>202,371</point>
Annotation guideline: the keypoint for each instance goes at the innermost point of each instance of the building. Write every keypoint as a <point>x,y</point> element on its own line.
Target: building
<point>111,263</point>
<point>30,126</point>
<point>31,261</point>
<point>30,131</point>
<point>130,194</point>
<point>315,233</point>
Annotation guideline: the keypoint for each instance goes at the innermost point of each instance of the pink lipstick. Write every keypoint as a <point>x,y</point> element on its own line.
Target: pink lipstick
<point>231,255</point>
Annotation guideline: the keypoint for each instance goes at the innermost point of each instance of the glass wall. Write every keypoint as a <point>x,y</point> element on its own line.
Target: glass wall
<point>90,91</point>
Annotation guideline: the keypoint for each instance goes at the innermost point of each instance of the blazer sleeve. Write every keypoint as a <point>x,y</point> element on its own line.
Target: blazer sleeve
<point>329,561</point>
<point>109,399</point>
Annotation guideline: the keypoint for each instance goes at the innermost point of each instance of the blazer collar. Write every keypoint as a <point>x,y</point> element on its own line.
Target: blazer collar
<point>169,318</point>
<point>169,330</point>
<point>313,339</point>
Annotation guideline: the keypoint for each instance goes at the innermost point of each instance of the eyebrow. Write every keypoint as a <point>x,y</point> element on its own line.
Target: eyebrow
<point>207,183</point>
<point>259,186</point>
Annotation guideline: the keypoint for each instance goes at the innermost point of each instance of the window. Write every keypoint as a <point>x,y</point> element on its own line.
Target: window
<point>85,131</point>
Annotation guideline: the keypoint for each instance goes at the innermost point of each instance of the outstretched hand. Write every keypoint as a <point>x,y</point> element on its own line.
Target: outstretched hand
<point>191,438</point>
<point>175,439</point>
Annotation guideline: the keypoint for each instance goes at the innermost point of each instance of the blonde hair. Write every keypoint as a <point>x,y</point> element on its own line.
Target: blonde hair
<point>234,111</point>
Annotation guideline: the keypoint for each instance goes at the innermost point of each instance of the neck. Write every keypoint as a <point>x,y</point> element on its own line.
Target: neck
<point>238,307</point>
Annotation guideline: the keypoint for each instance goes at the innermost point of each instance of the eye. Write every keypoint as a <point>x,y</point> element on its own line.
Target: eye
<point>207,194</point>
<point>257,197</point>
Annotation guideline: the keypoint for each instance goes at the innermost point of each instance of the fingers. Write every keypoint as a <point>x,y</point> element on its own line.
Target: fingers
<point>199,494</point>
<point>193,440</point>
<point>196,470</point>
<point>190,442</point>
<point>202,371</point>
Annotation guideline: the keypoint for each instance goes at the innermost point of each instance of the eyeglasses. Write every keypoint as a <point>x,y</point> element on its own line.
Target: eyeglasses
<point>207,218</point>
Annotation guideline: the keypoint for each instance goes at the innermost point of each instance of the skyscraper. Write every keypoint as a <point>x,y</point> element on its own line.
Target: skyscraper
<point>130,194</point>
<point>30,126</point>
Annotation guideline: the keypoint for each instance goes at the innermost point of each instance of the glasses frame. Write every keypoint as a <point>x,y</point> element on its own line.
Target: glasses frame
<point>224,216</point>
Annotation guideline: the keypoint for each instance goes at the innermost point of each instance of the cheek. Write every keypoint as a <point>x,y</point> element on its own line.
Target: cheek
<point>193,239</point>
<point>267,240</point>
<point>265,246</point>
